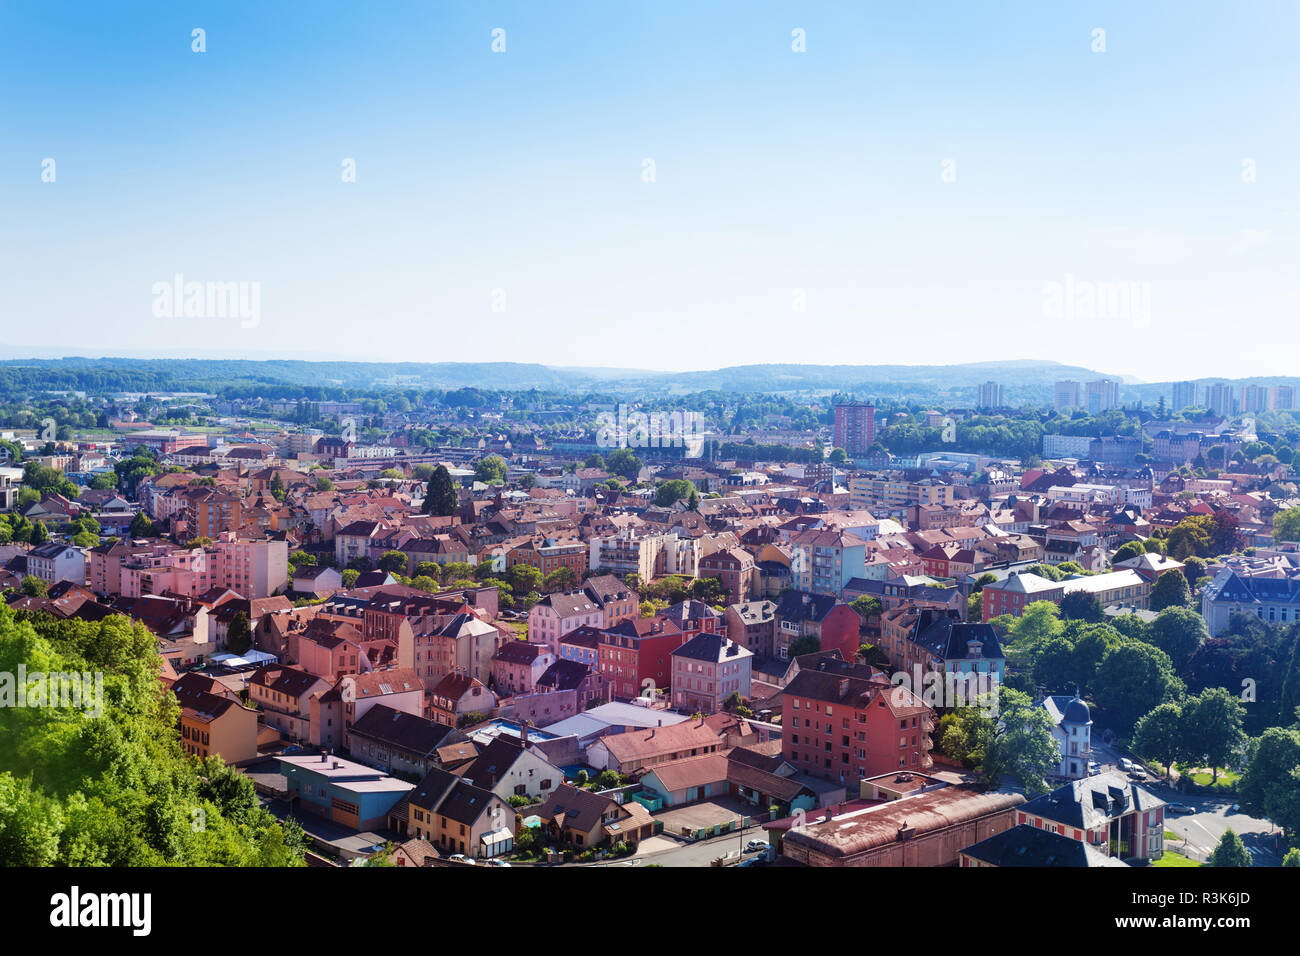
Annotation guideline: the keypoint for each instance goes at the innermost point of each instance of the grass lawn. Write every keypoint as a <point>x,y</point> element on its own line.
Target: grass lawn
<point>1227,778</point>
<point>1172,858</point>
<point>1171,835</point>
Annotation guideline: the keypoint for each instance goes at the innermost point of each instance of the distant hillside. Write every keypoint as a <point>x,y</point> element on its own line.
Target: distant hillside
<point>866,380</point>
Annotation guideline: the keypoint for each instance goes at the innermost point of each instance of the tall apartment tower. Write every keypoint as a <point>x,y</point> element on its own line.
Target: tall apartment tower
<point>1102,396</point>
<point>1218,398</point>
<point>1067,395</point>
<point>990,396</point>
<point>1254,398</point>
<point>855,427</point>
<point>1184,396</point>
<point>1284,396</point>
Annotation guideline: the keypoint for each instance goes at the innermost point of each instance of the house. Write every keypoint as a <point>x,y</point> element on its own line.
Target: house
<point>555,615</point>
<point>1072,730</point>
<point>804,614</point>
<point>735,569</point>
<point>53,562</point>
<point>518,665</point>
<point>510,768</point>
<point>753,626</point>
<point>1030,846</point>
<point>1150,565</point>
<point>824,561</point>
<point>347,793</point>
<point>942,641</point>
<point>635,750</point>
<point>283,697</point>
<point>213,721</point>
<point>588,819</point>
<point>707,670</point>
<point>459,695</point>
<point>1108,812</point>
<point>334,712</point>
<point>455,816</point>
<point>689,779</point>
<point>318,581</point>
<point>397,742</point>
<point>1266,596</point>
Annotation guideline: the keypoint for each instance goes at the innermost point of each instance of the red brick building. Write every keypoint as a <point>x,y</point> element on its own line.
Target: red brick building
<point>845,721</point>
<point>634,650</point>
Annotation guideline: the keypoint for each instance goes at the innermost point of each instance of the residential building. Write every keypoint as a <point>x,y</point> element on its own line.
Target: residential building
<point>707,670</point>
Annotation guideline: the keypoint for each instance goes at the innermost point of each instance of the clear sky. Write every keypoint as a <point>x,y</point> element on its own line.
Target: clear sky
<point>779,177</point>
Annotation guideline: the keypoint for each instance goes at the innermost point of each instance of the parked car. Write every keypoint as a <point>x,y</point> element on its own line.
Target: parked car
<point>752,861</point>
<point>756,846</point>
<point>1180,809</point>
<point>1235,808</point>
<point>1094,768</point>
<point>291,749</point>
<point>1125,764</point>
<point>461,858</point>
<point>497,863</point>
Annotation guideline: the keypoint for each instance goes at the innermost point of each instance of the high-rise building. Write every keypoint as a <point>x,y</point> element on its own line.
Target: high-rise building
<point>1218,399</point>
<point>1254,398</point>
<point>1067,395</point>
<point>855,427</point>
<point>1283,396</point>
<point>990,396</point>
<point>1102,396</point>
<point>1184,396</point>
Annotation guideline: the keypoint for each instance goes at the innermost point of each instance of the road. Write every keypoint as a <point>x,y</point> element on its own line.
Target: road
<point>1201,831</point>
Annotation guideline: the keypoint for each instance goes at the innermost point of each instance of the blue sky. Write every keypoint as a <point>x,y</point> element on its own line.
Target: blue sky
<point>779,177</point>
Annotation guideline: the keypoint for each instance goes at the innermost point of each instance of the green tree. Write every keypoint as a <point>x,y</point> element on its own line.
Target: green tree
<point>141,526</point>
<point>440,495</point>
<point>1132,680</point>
<point>1270,785</point>
<point>1127,551</point>
<point>33,586</point>
<point>1212,722</point>
<point>1170,590</point>
<point>804,645</point>
<point>394,562</point>
<point>868,607</point>
<point>624,463</point>
<point>490,470</point>
<point>1230,851</point>
<point>239,636</point>
<point>524,579</point>
<point>672,491</point>
<point>1081,606</point>
<point>350,576</point>
<point>1292,858</point>
<point>1158,735</point>
<point>561,579</point>
<point>1178,631</point>
<point>1286,524</point>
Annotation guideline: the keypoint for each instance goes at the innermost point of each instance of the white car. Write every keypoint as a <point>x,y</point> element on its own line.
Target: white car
<point>461,858</point>
<point>1125,764</point>
<point>497,863</point>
